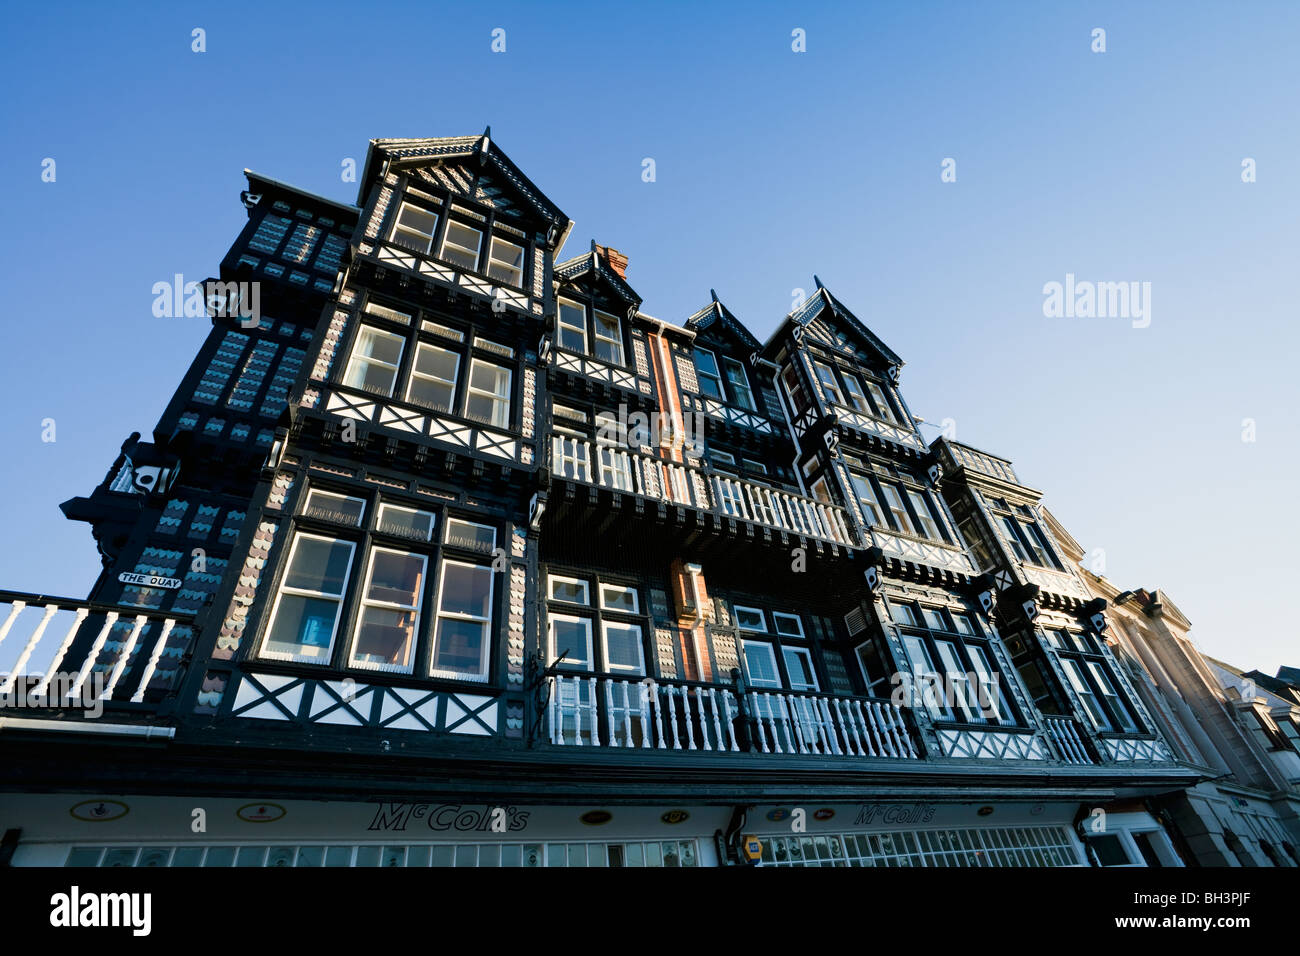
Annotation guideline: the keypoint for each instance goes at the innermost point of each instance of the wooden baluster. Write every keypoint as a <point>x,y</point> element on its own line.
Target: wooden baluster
<point>595,712</point>
<point>14,610</point>
<point>627,719</point>
<point>875,746</point>
<point>609,710</point>
<point>577,711</point>
<point>899,730</point>
<point>717,724</point>
<point>729,718</point>
<point>43,687</point>
<point>124,656</point>
<point>878,723</point>
<point>672,714</point>
<point>50,611</point>
<point>851,741</point>
<point>704,721</point>
<point>686,716</point>
<point>152,665</point>
<point>93,654</point>
<point>658,698</point>
<point>758,719</point>
<point>832,728</point>
<point>793,744</point>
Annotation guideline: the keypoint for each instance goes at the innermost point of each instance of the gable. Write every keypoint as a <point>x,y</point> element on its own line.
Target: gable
<point>715,322</point>
<point>826,321</point>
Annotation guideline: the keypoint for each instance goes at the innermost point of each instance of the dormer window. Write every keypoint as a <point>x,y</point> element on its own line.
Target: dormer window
<point>740,391</point>
<point>573,326</point>
<point>830,386</point>
<point>506,262</point>
<point>414,228</point>
<point>461,245</point>
<point>609,338</point>
<point>706,371</point>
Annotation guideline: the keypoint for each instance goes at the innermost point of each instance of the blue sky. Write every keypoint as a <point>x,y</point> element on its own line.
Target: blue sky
<point>770,165</point>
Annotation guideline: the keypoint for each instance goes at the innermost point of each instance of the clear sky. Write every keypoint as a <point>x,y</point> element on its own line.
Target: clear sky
<point>770,165</point>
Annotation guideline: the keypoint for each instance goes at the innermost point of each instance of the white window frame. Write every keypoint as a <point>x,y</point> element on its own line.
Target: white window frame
<point>389,506</point>
<point>399,227</point>
<point>885,411</point>
<point>997,697</point>
<point>1118,705</point>
<point>639,669</point>
<point>928,684</point>
<point>322,493</point>
<point>590,663</point>
<point>616,341</point>
<point>771,653</point>
<point>895,608</point>
<point>446,536</point>
<point>715,376</point>
<point>821,490</point>
<point>895,506</point>
<point>786,652</point>
<point>283,589</point>
<point>511,279</point>
<point>738,608</point>
<point>553,579</point>
<point>486,624</point>
<point>457,247</point>
<point>778,616</point>
<point>831,389</point>
<point>941,626</point>
<point>499,401</point>
<point>364,601</point>
<point>743,386</point>
<point>626,588</point>
<point>1079,681</point>
<point>562,325</point>
<point>857,397</point>
<point>354,359</point>
<point>872,510</point>
<point>929,527</point>
<point>417,374</point>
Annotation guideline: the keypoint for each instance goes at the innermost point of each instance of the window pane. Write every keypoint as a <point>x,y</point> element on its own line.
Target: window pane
<point>385,637</point>
<point>395,577</point>
<point>788,625</point>
<point>750,619</point>
<point>902,614</point>
<point>882,404</point>
<point>459,646</point>
<point>468,534</point>
<point>895,504</point>
<point>740,392</point>
<point>623,648</point>
<point>572,327</point>
<point>617,598</point>
<point>572,591</point>
<point>374,361</point>
<point>934,619</point>
<point>798,664</point>
<point>461,245</point>
<point>922,509</point>
<point>415,228</point>
<point>331,507</point>
<point>829,385</point>
<point>318,564</point>
<point>303,626</point>
<point>571,634</point>
<point>866,498</point>
<point>609,338</point>
<point>706,367</point>
<point>760,664</point>
<point>406,522</point>
<point>466,589</point>
<point>507,263</point>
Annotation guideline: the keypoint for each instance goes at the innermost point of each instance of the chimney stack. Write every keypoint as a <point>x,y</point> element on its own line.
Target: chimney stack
<point>617,261</point>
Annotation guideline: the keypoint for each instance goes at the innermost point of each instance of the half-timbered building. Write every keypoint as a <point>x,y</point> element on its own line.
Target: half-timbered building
<point>449,553</point>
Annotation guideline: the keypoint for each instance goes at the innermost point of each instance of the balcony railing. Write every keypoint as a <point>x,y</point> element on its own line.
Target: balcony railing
<point>56,652</point>
<point>1067,740</point>
<point>618,469</point>
<point>599,711</point>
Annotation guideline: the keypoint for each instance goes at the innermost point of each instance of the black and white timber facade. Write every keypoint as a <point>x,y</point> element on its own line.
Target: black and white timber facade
<point>449,554</point>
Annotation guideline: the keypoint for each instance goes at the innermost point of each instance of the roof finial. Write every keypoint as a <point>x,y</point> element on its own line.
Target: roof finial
<point>818,281</point>
<point>487,132</point>
<point>714,296</point>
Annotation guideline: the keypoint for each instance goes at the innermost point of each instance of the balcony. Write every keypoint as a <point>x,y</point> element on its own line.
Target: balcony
<point>1067,740</point>
<point>65,653</point>
<point>629,472</point>
<point>612,712</point>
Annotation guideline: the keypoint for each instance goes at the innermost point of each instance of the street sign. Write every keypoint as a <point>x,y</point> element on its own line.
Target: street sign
<point>753,847</point>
